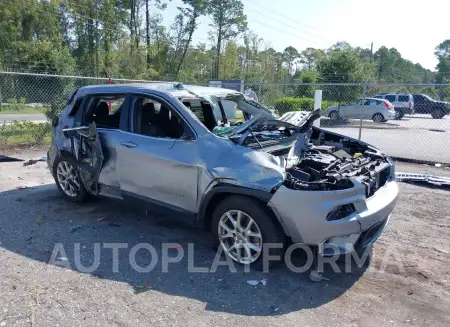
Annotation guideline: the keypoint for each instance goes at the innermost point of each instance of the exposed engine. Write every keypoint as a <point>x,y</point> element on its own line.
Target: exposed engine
<point>323,168</point>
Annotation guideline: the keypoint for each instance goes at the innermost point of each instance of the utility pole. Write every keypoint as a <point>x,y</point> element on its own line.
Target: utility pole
<point>371,51</point>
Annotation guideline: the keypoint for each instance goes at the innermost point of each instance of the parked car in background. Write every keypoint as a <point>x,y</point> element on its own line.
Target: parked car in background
<point>376,109</point>
<point>403,103</point>
<point>423,104</point>
<point>253,183</point>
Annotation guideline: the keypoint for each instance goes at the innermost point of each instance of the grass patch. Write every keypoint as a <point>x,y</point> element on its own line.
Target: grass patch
<point>10,109</point>
<point>24,132</point>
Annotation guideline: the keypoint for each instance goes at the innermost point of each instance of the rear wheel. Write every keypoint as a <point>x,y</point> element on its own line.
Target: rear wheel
<point>243,228</point>
<point>399,115</point>
<point>334,115</point>
<point>437,114</point>
<point>67,178</point>
<point>378,118</point>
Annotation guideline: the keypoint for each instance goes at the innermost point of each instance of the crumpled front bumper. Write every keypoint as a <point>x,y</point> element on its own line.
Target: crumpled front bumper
<point>303,213</point>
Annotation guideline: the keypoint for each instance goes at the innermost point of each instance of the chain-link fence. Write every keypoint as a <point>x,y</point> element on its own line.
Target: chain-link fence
<point>404,120</point>
<point>28,103</point>
<point>409,121</point>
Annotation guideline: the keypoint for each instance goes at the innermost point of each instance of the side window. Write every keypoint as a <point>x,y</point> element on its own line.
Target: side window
<point>378,96</point>
<point>403,98</point>
<point>105,110</point>
<point>155,118</point>
<point>76,106</point>
<point>390,98</point>
<point>418,99</point>
<point>368,102</point>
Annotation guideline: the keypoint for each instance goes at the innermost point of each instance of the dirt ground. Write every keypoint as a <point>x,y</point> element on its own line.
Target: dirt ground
<point>407,283</point>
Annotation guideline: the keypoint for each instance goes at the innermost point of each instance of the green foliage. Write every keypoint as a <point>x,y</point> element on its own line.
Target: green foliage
<point>24,132</point>
<point>286,104</point>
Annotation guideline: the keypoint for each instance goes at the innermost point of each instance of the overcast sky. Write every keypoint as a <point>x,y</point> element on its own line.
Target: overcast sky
<point>414,28</point>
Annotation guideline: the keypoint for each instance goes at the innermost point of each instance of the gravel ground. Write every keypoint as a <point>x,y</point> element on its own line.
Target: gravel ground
<point>413,288</point>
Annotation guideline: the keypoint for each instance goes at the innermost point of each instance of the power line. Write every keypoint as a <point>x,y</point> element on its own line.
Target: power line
<point>285,32</point>
<point>285,24</point>
<point>286,17</point>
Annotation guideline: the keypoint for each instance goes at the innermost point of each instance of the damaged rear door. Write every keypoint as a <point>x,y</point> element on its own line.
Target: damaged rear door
<point>87,149</point>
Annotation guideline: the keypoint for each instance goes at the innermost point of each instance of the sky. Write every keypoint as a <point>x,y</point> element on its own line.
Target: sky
<point>414,28</point>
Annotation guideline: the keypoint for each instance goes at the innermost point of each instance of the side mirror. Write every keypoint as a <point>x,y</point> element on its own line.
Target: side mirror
<point>55,121</point>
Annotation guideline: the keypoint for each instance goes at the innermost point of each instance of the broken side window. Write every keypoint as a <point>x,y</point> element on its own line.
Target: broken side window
<point>105,110</point>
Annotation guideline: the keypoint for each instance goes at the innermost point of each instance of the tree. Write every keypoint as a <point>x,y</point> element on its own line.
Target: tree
<point>442,52</point>
<point>194,9</point>
<point>228,22</point>
<point>309,57</point>
<point>290,56</point>
<point>343,66</point>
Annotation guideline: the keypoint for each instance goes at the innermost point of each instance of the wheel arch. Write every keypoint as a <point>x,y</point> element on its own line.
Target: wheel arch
<point>222,191</point>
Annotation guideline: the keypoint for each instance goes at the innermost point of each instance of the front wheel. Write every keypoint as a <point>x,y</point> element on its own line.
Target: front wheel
<point>68,181</point>
<point>378,118</point>
<point>243,229</point>
<point>334,115</point>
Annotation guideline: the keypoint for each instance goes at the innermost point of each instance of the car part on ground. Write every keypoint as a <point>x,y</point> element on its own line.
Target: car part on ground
<point>427,178</point>
<point>247,184</point>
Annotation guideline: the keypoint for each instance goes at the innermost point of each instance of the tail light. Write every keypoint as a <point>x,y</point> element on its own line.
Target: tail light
<point>388,105</point>
<point>410,105</point>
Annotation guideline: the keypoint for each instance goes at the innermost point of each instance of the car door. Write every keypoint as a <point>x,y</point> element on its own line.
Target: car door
<point>98,129</point>
<point>158,159</point>
<point>352,109</point>
<point>420,104</point>
<point>369,108</point>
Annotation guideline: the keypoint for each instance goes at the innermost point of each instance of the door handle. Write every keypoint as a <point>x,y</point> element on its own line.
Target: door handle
<point>129,144</point>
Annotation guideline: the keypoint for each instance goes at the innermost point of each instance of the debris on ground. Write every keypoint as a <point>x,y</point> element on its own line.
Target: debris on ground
<point>30,162</point>
<point>40,220</point>
<point>316,276</point>
<point>257,282</point>
<point>431,179</point>
<point>75,228</point>
<point>142,288</point>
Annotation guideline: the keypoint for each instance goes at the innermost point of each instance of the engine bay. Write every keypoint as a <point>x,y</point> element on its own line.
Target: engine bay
<point>334,165</point>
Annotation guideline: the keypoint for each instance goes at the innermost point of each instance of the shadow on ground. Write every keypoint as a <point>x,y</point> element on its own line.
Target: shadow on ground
<point>33,220</point>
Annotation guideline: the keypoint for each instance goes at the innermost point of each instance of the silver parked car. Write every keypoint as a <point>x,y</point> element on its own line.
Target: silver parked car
<point>378,110</point>
<point>252,181</point>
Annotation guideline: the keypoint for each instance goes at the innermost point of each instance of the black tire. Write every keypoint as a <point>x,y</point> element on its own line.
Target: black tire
<point>271,233</point>
<point>334,115</point>
<point>399,115</point>
<point>378,117</point>
<point>437,114</point>
<point>82,195</point>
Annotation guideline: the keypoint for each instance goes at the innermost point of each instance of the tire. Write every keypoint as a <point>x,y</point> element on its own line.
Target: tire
<point>399,115</point>
<point>80,194</point>
<point>378,118</point>
<point>262,221</point>
<point>437,114</point>
<point>334,115</point>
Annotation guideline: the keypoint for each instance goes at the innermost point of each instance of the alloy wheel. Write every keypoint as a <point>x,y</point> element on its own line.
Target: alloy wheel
<point>240,236</point>
<point>68,179</point>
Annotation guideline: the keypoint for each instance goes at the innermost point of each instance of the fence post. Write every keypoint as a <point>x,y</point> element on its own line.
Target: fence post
<point>361,110</point>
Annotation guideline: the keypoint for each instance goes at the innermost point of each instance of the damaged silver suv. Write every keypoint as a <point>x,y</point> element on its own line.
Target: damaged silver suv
<point>221,161</point>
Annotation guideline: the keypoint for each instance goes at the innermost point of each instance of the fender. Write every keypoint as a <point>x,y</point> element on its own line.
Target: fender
<point>202,218</point>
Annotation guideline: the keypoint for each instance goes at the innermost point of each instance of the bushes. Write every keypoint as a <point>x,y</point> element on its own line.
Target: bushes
<point>24,132</point>
<point>286,104</point>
